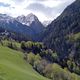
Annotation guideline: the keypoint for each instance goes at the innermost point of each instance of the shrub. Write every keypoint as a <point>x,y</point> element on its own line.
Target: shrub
<point>48,71</point>
<point>40,65</point>
<point>31,58</point>
<point>23,45</point>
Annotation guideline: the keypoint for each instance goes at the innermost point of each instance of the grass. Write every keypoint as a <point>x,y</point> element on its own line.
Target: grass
<point>14,67</point>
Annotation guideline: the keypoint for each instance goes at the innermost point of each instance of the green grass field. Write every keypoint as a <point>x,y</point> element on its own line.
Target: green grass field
<point>14,67</point>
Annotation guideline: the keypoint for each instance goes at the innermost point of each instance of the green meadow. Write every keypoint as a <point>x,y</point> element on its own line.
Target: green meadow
<point>14,67</point>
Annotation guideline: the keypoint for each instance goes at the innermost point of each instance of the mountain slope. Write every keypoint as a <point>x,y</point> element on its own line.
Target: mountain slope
<point>32,21</point>
<point>14,67</point>
<point>56,34</point>
<point>11,25</point>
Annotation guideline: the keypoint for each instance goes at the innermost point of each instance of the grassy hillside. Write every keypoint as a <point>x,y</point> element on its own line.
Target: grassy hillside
<point>13,67</point>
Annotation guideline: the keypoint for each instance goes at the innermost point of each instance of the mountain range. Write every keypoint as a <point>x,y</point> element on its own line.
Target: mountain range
<point>28,26</point>
<point>58,35</point>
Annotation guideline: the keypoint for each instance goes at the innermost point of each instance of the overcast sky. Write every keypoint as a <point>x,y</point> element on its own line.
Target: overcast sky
<point>43,9</point>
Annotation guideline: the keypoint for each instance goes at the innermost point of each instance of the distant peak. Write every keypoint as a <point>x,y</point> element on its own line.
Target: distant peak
<point>27,20</point>
<point>32,16</point>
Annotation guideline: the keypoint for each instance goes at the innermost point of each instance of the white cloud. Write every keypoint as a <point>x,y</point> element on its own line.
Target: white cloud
<point>51,3</point>
<point>17,7</point>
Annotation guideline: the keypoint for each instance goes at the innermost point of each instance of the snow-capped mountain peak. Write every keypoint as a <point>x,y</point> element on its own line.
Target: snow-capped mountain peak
<point>27,20</point>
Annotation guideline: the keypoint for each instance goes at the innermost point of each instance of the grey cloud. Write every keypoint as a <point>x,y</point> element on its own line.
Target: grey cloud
<point>48,11</point>
<point>40,8</point>
<point>39,0</point>
<point>18,1</point>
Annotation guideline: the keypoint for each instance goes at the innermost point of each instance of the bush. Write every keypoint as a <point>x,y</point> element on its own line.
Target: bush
<point>40,65</point>
<point>48,71</point>
<point>31,58</point>
<point>37,61</point>
<point>23,45</point>
<point>12,45</point>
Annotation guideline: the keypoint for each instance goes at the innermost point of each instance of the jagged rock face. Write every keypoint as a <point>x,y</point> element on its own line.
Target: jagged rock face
<point>55,35</point>
<point>27,20</point>
<point>32,21</point>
